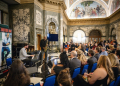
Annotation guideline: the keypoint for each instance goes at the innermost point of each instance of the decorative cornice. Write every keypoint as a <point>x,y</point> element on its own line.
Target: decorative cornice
<point>55,2</point>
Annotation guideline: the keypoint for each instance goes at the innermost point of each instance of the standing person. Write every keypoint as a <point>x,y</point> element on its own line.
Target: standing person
<point>43,45</point>
<point>5,43</point>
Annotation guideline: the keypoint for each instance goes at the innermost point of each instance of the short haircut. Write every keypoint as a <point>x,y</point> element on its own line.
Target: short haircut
<point>74,53</point>
<point>98,49</point>
<point>103,48</point>
<point>91,52</point>
<point>118,53</point>
<point>25,44</point>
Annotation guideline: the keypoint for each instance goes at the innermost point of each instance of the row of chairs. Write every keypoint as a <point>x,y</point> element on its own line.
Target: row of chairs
<point>77,70</point>
<point>49,81</point>
<point>115,83</point>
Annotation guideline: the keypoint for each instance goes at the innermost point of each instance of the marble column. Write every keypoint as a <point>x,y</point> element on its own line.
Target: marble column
<point>118,33</point>
<point>68,33</point>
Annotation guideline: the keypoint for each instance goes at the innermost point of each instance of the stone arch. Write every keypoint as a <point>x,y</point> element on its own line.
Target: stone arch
<point>101,2</point>
<point>79,36</point>
<point>47,25</point>
<point>79,29</point>
<point>95,29</point>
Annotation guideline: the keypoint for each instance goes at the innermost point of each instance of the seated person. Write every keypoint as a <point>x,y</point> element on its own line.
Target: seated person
<point>23,54</point>
<point>82,57</point>
<point>101,76</point>
<point>95,46</point>
<point>112,50</point>
<point>74,61</point>
<point>64,63</point>
<point>91,60</point>
<point>18,75</point>
<point>115,64</point>
<point>104,52</point>
<point>97,55</point>
<point>64,78</point>
<point>118,55</point>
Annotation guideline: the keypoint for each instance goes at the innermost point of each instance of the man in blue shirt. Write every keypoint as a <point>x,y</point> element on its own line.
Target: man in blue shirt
<point>104,52</point>
<point>5,43</point>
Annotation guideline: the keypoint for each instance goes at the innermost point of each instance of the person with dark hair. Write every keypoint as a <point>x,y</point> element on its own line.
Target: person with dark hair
<point>118,55</point>
<point>64,63</point>
<point>97,55</point>
<point>23,54</point>
<point>18,75</point>
<point>64,78</point>
<point>91,60</point>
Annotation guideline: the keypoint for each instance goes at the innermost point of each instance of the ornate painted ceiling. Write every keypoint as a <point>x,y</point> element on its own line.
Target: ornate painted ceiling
<point>79,9</point>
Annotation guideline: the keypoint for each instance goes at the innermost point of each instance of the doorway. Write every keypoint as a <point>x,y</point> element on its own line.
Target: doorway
<point>79,36</point>
<point>38,39</point>
<point>95,35</point>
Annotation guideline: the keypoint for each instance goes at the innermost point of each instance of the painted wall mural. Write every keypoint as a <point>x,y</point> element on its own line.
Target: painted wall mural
<point>71,2</point>
<point>21,22</point>
<point>106,1</point>
<point>115,5</point>
<point>88,9</point>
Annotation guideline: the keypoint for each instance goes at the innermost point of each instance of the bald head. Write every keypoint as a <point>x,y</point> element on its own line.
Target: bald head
<point>45,37</point>
<point>73,54</point>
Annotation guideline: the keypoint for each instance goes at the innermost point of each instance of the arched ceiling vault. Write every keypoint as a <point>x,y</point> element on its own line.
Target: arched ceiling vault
<point>106,4</point>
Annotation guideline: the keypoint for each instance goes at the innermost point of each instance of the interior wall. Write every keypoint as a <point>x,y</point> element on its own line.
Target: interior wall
<point>38,23</point>
<point>4,9</point>
<point>22,23</point>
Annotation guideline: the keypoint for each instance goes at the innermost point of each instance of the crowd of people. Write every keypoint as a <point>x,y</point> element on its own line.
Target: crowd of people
<point>106,54</point>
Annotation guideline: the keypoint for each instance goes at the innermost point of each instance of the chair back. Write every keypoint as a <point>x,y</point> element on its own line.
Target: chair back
<point>50,80</point>
<point>117,81</point>
<point>112,83</point>
<point>76,72</point>
<point>38,84</point>
<point>84,68</point>
<point>94,67</point>
<point>9,61</point>
<point>31,84</point>
<point>87,49</point>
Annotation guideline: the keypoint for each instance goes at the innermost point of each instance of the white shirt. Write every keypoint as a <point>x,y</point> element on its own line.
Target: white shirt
<point>23,54</point>
<point>6,40</point>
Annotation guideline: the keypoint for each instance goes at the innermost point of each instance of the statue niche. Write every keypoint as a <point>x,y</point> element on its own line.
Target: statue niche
<point>52,30</point>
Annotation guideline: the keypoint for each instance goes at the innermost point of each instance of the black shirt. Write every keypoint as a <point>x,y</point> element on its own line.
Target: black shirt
<point>43,43</point>
<point>116,72</point>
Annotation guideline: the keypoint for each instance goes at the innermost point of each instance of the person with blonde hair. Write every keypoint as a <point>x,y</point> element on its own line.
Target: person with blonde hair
<point>111,50</point>
<point>64,78</point>
<point>101,76</point>
<point>82,57</point>
<point>115,64</point>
